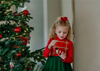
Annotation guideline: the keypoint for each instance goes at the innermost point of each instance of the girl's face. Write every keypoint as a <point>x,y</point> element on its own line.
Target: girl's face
<point>61,32</point>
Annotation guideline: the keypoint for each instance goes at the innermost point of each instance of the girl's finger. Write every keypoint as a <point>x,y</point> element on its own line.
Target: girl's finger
<point>60,52</point>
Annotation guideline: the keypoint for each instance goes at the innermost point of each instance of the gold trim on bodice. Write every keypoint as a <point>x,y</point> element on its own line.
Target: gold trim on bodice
<point>54,47</point>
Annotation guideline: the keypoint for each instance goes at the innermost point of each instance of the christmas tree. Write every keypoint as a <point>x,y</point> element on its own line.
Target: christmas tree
<point>14,35</point>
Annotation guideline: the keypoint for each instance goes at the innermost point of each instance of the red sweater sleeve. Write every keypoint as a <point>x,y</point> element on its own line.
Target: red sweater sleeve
<point>47,51</point>
<point>69,59</point>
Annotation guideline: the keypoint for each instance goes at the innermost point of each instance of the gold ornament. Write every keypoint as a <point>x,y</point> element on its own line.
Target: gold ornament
<point>38,57</point>
<point>27,29</point>
<point>42,59</point>
<point>9,3</point>
<point>23,33</point>
<point>3,31</point>
<point>22,15</point>
<point>13,38</point>
<point>22,49</point>
<point>16,33</point>
<point>39,53</point>
<point>19,20</point>
<point>17,36</point>
<point>7,38</point>
<point>9,16</point>
<point>6,7</point>
<point>12,17</point>
<point>24,30</point>
<point>2,2</point>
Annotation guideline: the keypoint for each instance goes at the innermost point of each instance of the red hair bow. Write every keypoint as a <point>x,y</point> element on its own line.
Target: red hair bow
<point>64,19</point>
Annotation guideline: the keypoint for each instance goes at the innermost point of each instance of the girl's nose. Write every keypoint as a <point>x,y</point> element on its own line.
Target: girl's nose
<point>62,34</point>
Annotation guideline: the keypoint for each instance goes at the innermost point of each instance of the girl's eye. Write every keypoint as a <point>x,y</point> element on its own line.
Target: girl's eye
<point>64,32</point>
<point>59,32</point>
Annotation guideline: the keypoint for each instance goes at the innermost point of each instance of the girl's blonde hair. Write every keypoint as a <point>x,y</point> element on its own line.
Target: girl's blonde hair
<point>59,22</point>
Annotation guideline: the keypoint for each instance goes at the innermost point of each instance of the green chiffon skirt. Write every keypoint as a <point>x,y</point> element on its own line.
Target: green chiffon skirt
<point>54,63</point>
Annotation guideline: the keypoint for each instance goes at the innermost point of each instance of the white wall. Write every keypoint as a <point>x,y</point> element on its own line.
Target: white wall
<point>54,10</point>
<point>66,9</point>
<point>87,35</point>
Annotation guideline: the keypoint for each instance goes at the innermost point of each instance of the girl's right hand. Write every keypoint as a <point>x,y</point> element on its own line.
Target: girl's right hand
<point>53,42</point>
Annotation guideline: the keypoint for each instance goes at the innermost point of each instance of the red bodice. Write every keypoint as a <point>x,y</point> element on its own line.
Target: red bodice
<point>64,45</point>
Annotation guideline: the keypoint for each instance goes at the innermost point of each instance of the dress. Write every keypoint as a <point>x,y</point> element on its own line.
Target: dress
<point>54,61</point>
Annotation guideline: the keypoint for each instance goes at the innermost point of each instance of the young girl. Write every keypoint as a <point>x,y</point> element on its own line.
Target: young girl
<point>59,49</point>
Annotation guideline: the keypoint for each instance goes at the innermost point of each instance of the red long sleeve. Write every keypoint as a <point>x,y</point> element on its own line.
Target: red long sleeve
<point>69,59</point>
<point>47,51</point>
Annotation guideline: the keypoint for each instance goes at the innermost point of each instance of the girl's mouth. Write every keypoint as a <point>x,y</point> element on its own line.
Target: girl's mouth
<point>61,37</point>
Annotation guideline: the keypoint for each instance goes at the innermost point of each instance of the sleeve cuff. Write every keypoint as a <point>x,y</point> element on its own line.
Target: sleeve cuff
<point>47,49</point>
<point>64,60</point>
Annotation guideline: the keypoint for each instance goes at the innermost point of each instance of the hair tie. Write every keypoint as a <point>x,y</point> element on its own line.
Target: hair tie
<point>64,19</point>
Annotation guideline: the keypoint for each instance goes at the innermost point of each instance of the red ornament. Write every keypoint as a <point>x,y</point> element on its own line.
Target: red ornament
<point>0,36</point>
<point>16,47</point>
<point>17,14</point>
<point>14,13</point>
<point>18,55</point>
<point>31,68</point>
<point>17,29</point>
<point>25,12</point>
<point>24,39</point>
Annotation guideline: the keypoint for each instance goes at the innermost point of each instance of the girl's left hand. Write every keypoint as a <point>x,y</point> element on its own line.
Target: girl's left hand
<point>63,55</point>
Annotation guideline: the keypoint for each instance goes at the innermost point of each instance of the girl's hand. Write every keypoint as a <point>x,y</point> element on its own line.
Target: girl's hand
<point>63,55</point>
<point>52,43</point>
